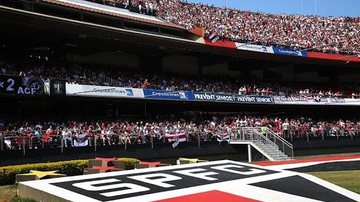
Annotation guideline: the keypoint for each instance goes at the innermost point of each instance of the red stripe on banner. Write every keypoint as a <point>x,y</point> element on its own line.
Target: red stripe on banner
<point>220,43</point>
<point>328,56</point>
<point>319,159</point>
<point>181,137</point>
<point>210,196</point>
<point>173,139</point>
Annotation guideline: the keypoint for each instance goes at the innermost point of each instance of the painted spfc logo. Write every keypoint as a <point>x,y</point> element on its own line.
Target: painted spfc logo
<point>218,181</point>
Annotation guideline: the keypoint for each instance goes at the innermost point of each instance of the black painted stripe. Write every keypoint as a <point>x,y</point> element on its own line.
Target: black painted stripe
<point>297,185</point>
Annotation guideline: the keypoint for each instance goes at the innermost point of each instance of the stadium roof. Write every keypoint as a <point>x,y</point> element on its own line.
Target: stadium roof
<point>112,11</point>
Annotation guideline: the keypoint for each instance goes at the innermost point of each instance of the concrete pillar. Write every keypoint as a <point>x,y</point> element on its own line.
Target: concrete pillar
<point>249,153</point>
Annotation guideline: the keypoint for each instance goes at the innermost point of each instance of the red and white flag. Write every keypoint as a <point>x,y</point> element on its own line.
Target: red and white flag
<point>176,138</point>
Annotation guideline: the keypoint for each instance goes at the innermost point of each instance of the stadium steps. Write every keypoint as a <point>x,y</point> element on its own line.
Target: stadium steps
<point>268,143</point>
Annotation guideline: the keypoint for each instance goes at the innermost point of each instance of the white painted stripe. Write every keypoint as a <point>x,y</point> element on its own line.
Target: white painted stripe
<point>300,165</point>
<point>263,194</point>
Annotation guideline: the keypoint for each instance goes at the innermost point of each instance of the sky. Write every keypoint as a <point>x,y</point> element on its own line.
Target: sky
<point>307,7</point>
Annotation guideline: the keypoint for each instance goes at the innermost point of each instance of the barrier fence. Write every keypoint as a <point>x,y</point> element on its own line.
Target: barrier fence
<point>12,140</point>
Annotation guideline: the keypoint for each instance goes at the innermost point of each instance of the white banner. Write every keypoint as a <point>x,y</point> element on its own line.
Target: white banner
<point>103,91</point>
<point>81,144</point>
<point>316,101</point>
<point>223,137</point>
<point>255,48</point>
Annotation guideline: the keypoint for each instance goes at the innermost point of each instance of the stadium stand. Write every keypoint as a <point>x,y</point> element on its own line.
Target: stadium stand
<point>324,34</point>
<point>140,131</point>
<point>130,77</point>
<point>99,86</point>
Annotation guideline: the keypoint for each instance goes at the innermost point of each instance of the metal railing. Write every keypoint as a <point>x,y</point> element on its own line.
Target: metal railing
<point>283,144</point>
<point>265,136</point>
<point>14,140</point>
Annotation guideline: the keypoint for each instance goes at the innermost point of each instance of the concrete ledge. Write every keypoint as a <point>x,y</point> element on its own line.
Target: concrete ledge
<point>25,177</point>
<point>28,192</point>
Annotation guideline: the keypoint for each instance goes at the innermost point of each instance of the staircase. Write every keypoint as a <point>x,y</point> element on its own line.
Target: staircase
<point>268,143</point>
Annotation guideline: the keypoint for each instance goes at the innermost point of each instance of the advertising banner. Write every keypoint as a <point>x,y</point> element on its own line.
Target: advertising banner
<point>168,95</point>
<point>102,91</point>
<point>331,56</point>
<point>17,85</point>
<point>315,101</point>
<point>255,48</point>
<point>233,98</point>
<point>290,52</point>
<point>220,43</point>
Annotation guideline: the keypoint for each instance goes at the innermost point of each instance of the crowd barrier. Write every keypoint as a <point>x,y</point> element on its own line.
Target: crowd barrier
<point>10,140</point>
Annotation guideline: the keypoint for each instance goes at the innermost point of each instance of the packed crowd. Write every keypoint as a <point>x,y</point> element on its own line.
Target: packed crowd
<point>325,34</point>
<point>128,131</point>
<point>127,77</point>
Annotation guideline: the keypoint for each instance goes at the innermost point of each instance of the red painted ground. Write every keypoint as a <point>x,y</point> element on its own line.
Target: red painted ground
<point>210,196</point>
<point>317,159</point>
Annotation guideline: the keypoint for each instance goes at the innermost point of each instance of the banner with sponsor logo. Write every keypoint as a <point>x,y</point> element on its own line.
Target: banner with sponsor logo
<point>255,48</point>
<point>168,95</point>
<point>290,52</point>
<point>18,85</point>
<point>102,91</point>
<point>315,101</point>
<point>233,98</point>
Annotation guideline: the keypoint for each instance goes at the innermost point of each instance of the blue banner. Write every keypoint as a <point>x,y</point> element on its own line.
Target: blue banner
<point>291,52</point>
<point>233,98</point>
<point>168,95</point>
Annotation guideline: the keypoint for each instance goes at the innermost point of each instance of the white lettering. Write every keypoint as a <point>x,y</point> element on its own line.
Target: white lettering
<point>157,179</point>
<point>226,168</point>
<point>195,173</point>
<point>130,188</point>
<point>20,90</point>
<point>27,91</point>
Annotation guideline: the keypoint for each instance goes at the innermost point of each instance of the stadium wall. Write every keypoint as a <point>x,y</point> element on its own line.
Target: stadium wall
<point>143,152</point>
<point>287,72</point>
<point>217,69</point>
<point>310,77</point>
<point>161,151</point>
<point>176,64</point>
<point>349,78</point>
<point>107,58</point>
